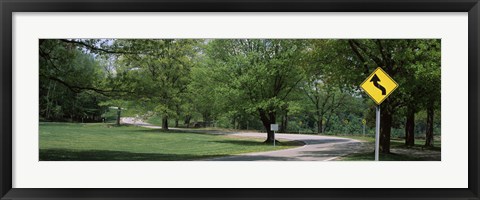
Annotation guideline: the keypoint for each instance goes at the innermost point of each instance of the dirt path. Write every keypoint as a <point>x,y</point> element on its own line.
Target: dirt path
<point>316,148</point>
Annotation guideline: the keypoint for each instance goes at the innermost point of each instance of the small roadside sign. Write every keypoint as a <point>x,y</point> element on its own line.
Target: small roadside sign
<point>364,121</point>
<point>379,85</point>
<point>274,127</point>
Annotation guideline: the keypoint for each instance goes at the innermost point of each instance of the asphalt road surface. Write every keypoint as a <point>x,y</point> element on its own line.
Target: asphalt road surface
<point>316,148</point>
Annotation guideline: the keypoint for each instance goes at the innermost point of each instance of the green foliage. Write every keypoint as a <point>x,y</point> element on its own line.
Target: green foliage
<point>311,86</point>
<point>256,76</point>
<point>157,73</point>
<point>67,80</point>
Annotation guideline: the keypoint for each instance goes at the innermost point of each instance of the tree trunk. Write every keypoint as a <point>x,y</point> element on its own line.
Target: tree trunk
<point>327,122</point>
<point>234,122</point>
<point>119,112</point>
<point>177,108</point>
<point>187,120</point>
<point>206,118</point>
<point>429,132</point>
<point>165,123</point>
<point>320,126</point>
<point>73,110</point>
<point>410,127</point>
<point>283,127</point>
<point>47,111</point>
<point>266,121</point>
<point>385,131</point>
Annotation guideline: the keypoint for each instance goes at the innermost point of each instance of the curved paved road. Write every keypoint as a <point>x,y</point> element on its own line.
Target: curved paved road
<point>316,148</point>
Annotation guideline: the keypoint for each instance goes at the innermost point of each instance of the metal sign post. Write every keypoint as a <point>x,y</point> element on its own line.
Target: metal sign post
<point>379,85</point>
<point>377,133</point>
<point>273,138</point>
<point>274,127</point>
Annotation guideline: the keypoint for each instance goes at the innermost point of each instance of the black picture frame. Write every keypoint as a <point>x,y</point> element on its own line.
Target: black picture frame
<point>8,7</point>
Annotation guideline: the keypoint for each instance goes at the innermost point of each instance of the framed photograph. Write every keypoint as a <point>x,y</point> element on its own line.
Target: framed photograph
<point>243,100</point>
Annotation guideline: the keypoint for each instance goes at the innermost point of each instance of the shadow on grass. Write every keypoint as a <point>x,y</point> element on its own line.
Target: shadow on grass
<point>370,156</point>
<point>325,141</point>
<point>258,143</point>
<point>105,155</point>
<point>180,131</point>
<point>255,158</point>
<point>396,144</point>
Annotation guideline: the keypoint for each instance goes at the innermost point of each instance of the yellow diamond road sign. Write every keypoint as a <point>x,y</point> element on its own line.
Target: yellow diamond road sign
<point>379,85</point>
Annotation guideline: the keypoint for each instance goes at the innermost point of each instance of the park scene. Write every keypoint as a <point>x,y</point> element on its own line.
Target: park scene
<point>239,99</point>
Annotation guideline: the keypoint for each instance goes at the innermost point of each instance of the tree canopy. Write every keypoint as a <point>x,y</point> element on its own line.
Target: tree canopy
<point>305,85</point>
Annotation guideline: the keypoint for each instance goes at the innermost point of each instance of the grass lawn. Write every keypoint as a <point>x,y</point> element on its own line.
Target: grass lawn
<point>104,142</point>
<point>369,156</point>
<point>399,143</point>
<point>399,152</point>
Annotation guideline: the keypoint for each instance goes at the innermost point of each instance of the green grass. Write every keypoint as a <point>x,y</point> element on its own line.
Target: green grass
<point>406,153</point>
<point>400,143</point>
<point>383,157</point>
<point>155,120</point>
<point>105,142</point>
<point>419,144</point>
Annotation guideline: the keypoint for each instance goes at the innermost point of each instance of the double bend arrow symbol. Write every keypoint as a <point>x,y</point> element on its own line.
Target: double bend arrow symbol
<point>375,81</point>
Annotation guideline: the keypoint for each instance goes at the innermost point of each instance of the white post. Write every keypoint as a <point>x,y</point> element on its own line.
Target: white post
<point>377,133</point>
<point>274,138</point>
<point>273,127</point>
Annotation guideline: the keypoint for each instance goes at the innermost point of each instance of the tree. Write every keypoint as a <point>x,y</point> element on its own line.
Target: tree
<point>202,90</point>
<point>68,80</point>
<point>235,81</point>
<point>420,76</point>
<point>258,73</point>
<point>325,99</point>
<point>157,72</point>
<point>428,74</point>
<point>399,58</point>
